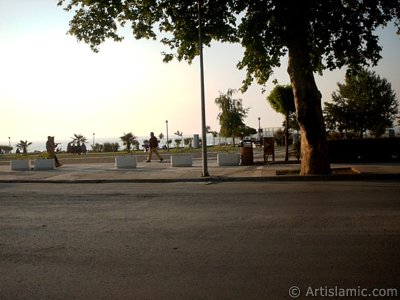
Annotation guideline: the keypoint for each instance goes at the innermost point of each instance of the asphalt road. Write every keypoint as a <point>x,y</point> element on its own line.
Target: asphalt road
<point>199,240</point>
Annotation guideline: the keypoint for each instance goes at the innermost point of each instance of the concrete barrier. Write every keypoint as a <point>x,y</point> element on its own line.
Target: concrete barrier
<point>228,159</point>
<point>44,164</point>
<point>125,162</point>
<point>181,161</point>
<point>20,165</point>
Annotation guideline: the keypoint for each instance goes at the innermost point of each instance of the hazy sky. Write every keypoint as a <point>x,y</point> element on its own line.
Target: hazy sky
<point>52,85</point>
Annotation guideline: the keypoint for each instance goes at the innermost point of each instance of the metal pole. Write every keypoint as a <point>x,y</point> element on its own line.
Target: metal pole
<point>203,105</point>
<point>166,124</point>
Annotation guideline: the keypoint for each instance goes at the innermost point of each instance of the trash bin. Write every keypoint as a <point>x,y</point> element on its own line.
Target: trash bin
<point>246,153</point>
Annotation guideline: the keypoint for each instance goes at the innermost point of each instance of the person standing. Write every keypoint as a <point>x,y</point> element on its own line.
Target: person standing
<point>51,148</point>
<point>153,143</point>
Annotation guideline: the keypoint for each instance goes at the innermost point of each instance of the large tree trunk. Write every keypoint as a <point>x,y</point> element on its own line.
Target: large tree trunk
<point>314,149</point>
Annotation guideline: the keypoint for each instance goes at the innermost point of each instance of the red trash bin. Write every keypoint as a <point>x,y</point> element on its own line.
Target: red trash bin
<point>246,153</point>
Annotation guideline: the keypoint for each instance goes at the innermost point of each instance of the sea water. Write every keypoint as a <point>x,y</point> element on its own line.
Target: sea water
<point>40,145</point>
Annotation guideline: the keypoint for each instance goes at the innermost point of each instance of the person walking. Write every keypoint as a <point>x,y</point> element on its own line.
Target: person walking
<point>51,148</point>
<point>153,143</point>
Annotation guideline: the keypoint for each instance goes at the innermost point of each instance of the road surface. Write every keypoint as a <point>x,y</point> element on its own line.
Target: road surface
<point>271,240</point>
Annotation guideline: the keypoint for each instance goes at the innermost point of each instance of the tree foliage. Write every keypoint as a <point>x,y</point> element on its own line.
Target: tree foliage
<point>247,131</point>
<point>281,100</point>
<point>231,116</point>
<point>128,139</point>
<point>78,139</point>
<point>315,35</point>
<point>337,33</point>
<point>364,102</point>
<point>23,146</point>
<point>5,149</point>
<point>105,147</point>
<point>77,145</point>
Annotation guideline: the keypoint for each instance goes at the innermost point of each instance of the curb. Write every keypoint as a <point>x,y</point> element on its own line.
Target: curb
<point>216,179</point>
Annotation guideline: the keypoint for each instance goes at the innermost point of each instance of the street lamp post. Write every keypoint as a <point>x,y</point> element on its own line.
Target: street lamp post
<point>166,124</point>
<point>203,109</point>
<point>93,139</point>
<point>9,141</point>
<point>259,129</point>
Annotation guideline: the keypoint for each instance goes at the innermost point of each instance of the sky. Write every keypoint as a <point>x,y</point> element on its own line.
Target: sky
<point>52,85</point>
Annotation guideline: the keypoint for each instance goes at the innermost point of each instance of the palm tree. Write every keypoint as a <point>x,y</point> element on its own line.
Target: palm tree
<point>23,146</point>
<point>128,139</point>
<point>78,139</point>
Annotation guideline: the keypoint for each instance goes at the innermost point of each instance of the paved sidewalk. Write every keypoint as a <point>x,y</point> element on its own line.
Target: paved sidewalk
<point>163,172</point>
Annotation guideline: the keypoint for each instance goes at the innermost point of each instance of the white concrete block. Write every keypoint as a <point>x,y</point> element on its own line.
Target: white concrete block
<point>44,164</point>
<point>228,159</point>
<point>181,161</point>
<point>20,165</point>
<point>125,162</point>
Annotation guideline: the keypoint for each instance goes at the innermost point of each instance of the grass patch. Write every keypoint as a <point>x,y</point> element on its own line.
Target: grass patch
<point>90,154</point>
